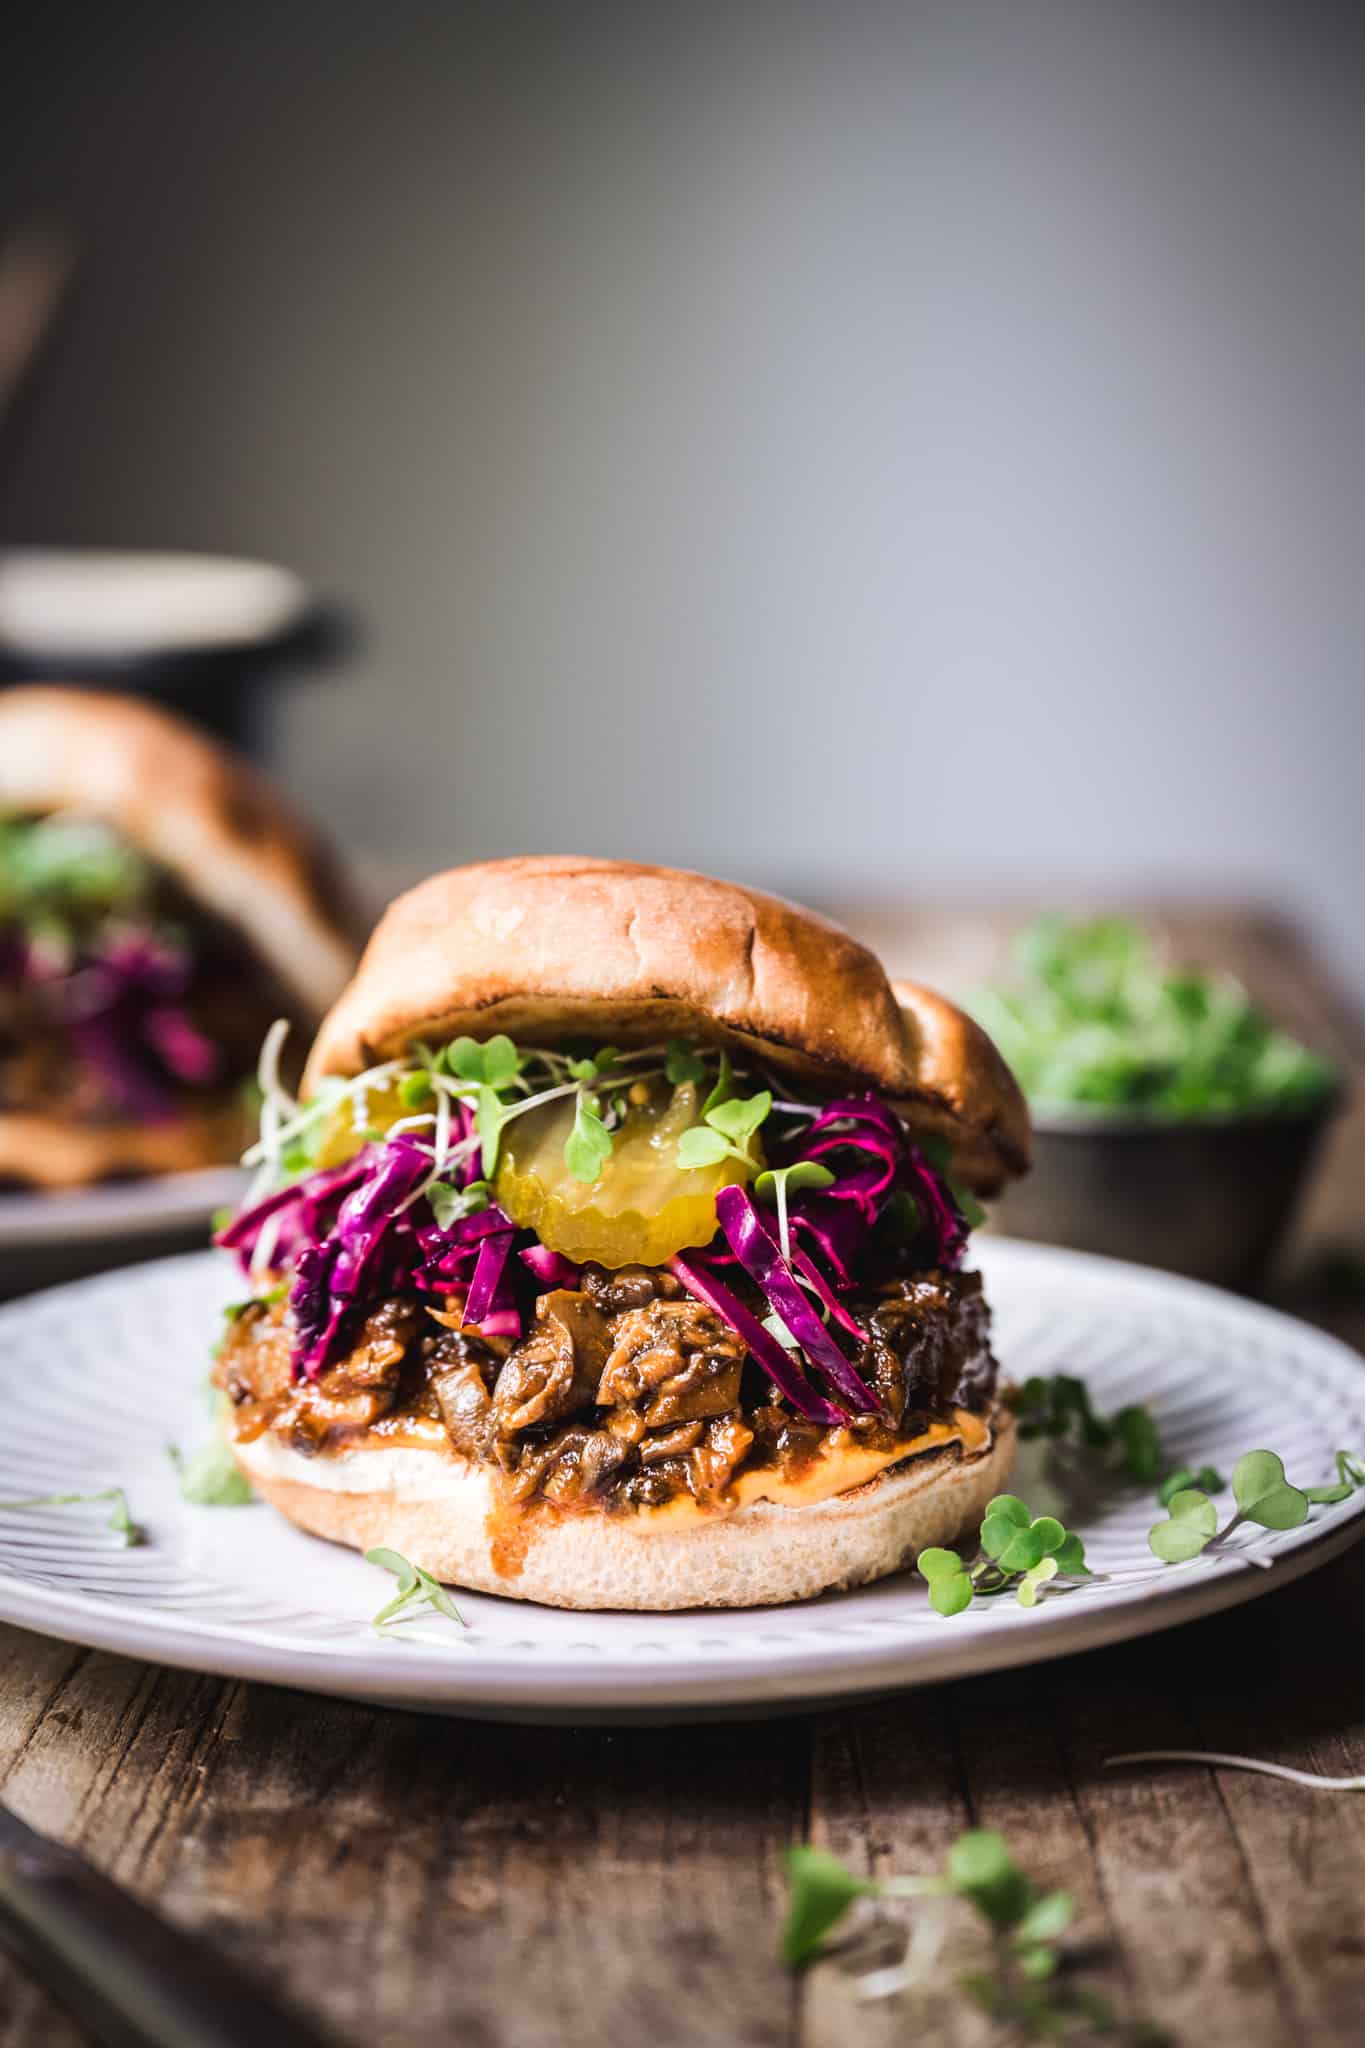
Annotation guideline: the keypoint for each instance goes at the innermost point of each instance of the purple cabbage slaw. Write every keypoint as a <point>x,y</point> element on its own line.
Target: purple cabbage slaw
<point>352,1232</point>
<point>121,1008</point>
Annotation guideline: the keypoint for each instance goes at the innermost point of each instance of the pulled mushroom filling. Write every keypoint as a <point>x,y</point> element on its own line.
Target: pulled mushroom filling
<point>120,998</point>
<point>613,1278</point>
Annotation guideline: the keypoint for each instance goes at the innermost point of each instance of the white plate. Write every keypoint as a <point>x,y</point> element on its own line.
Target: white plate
<point>100,1375</point>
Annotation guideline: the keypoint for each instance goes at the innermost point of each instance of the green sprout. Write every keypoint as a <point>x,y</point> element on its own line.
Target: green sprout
<point>210,1476</point>
<point>1021,1978</point>
<point>417,1589</point>
<point>120,1519</point>
<point>728,1126</point>
<point>1094,1016</point>
<point>1262,1494</point>
<point>1016,1551</point>
<point>1059,1408</point>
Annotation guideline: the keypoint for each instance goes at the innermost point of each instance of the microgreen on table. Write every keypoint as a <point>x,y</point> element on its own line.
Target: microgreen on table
<point>1221,1759</point>
<point>1017,1973</point>
<point>1016,1550</point>
<point>417,1589</point>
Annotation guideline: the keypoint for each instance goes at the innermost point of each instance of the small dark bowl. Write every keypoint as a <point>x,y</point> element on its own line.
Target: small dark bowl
<point>1211,1198</point>
<point>216,671</point>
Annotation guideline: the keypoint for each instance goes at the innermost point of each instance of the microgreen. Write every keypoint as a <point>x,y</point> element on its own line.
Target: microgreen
<point>1019,1976</point>
<point>120,1518</point>
<point>820,1890</point>
<point>211,1477</point>
<point>415,1090</point>
<point>1017,1551</point>
<point>416,1589</point>
<point>494,1063</point>
<point>682,1063</point>
<point>1095,1016</point>
<point>1222,1760</point>
<point>724,1086</point>
<point>1204,1478</point>
<point>1191,1524</point>
<point>1262,1494</point>
<point>449,1204</point>
<point>777,1183</point>
<point>729,1125</point>
<point>1060,1409</point>
<point>948,1579</point>
<point>588,1145</point>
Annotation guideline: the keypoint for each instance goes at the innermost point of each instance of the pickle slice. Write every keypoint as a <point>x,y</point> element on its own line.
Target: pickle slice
<point>642,1208</point>
<point>340,1136</point>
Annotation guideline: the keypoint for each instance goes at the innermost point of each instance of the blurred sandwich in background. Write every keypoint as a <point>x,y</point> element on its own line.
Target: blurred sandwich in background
<point>160,904</point>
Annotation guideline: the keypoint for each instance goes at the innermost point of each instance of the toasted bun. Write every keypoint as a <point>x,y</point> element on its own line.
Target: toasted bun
<point>552,946</point>
<point>198,810</point>
<point>434,1508</point>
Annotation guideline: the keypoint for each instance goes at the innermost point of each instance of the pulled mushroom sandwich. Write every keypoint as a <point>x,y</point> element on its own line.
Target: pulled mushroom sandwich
<point>158,907</point>
<point>615,1253</point>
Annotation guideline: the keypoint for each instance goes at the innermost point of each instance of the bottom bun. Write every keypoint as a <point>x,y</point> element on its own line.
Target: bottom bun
<point>435,1510</point>
<point>53,1152</point>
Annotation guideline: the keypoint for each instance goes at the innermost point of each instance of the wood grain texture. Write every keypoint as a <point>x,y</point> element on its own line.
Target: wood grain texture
<point>414,1881</point>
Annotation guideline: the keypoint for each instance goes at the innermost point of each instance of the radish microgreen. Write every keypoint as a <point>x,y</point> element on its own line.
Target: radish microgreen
<point>120,1519</point>
<point>449,1204</point>
<point>1017,1551</point>
<point>210,1476</point>
<point>1262,1494</point>
<point>1206,1478</point>
<point>588,1146</point>
<point>774,1186</point>
<point>1059,1408</point>
<point>1020,1977</point>
<point>417,1589</point>
<point>728,1127</point>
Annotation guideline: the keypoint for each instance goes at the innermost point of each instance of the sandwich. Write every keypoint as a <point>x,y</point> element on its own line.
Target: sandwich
<point>159,907</point>
<point>616,1252</point>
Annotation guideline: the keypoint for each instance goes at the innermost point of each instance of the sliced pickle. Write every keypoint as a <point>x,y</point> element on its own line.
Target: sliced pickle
<point>349,1124</point>
<point>641,1209</point>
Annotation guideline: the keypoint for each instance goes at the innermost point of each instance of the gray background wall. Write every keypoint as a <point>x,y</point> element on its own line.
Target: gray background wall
<point>906,446</point>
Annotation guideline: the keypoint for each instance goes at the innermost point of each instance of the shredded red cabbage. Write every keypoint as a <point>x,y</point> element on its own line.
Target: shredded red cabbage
<point>782,1370</point>
<point>760,1254</point>
<point>488,1301</point>
<point>552,1269</point>
<point>120,1007</point>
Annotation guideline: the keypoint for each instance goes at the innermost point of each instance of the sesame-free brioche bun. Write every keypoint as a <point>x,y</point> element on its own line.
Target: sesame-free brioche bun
<point>197,810</point>
<point>551,946</point>
<point>434,1508</point>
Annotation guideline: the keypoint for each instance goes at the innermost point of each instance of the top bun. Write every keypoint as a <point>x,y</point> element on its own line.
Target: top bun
<point>194,808</point>
<point>549,946</point>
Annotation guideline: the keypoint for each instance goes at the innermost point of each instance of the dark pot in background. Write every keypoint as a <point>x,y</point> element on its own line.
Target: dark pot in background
<point>1211,1199</point>
<point>202,634</point>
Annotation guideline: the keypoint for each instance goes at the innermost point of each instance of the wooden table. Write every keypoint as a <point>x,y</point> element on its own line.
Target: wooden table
<point>413,1880</point>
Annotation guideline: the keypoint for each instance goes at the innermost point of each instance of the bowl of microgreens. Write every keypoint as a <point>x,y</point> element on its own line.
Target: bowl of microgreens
<point>1175,1123</point>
